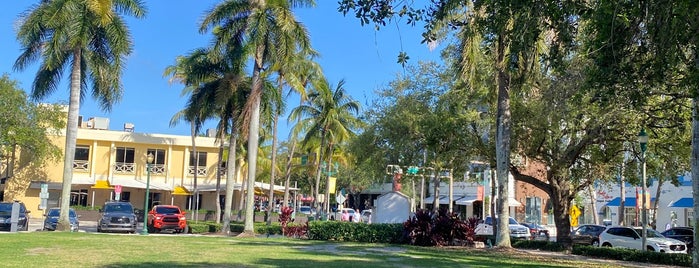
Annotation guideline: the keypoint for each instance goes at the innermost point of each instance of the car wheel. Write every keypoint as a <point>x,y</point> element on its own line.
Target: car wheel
<point>595,243</point>
<point>607,245</point>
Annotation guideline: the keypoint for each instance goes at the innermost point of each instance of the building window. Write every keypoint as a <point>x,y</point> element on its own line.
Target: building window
<point>198,166</point>
<point>124,160</point>
<point>533,209</point>
<point>78,197</point>
<point>125,196</point>
<point>81,162</point>
<point>690,217</point>
<point>158,166</point>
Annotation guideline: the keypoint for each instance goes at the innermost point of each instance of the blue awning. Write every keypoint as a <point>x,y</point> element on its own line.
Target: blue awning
<point>684,202</point>
<point>628,202</point>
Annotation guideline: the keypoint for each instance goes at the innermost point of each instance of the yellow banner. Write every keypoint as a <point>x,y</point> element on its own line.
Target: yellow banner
<point>331,182</point>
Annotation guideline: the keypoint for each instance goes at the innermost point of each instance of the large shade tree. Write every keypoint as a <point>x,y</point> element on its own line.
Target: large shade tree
<point>90,40</point>
<point>271,31</point>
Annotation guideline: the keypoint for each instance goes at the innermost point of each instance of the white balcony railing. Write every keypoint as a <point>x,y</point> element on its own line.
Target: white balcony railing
<point>157,169</point>
<point>81,165</point>
<point>124,168</point>
<point>201,171</point>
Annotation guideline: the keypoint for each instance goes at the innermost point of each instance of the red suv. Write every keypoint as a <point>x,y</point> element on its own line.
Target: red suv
<point>164,217</point>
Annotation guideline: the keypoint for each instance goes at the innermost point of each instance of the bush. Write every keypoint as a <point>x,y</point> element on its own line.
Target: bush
<point>538,244</point>
<point>426,229</point>
<point>355,232</point>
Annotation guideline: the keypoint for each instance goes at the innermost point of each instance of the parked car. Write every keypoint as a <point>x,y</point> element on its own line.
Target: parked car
<point>537,231</point>
<point>587,234</point>
<point>516,230</point>
<point>117,217</point>
<point>307,210</point>
<point>51,219</point>
<point>165,217</point>
<point>684,234</point>
<point>6,217</point>
<point>627,237</point>
<point>366,215</point>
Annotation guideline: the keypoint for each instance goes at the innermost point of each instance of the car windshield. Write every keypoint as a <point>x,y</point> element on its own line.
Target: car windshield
<point>167,210</point>
<point>488,220</point>
<point>650,233</point>
<point>118,208</point>
<point>55,212</point>
<point>7,207</point>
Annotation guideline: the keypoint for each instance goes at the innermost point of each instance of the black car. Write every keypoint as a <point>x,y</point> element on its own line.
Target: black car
<point>6,217</point>
<point>117,217</point>
<point>587,234</point>
<point>537,231</point>
<point>684,234</point>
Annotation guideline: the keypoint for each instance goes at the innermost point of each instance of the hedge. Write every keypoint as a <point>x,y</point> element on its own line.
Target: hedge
<point>355,232</point>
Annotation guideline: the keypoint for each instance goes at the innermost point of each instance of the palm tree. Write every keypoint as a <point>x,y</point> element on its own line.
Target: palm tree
<point>221,91</point>
<point>91,38</point>
<point>270,31</point>
<point>328,115</point>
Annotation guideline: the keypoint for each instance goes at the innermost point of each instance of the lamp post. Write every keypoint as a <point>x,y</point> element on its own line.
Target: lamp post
<point>643,141</point>
<point>149,160</point>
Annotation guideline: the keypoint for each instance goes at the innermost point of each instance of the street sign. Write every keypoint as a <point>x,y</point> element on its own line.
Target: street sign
<point>117,189</point>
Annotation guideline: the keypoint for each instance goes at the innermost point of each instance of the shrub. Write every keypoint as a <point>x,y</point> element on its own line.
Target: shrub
<point>355,232</point>
<point>296,230</point>
<point>539,244</point>
<point>426,229</point>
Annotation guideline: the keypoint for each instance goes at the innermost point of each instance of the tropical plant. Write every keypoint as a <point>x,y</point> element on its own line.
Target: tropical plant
<point>271,32</point>
<point>89,37</point>
<point>329,115</point>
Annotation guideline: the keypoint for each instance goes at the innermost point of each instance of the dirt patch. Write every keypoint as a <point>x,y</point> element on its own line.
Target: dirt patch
<point>41,251</point>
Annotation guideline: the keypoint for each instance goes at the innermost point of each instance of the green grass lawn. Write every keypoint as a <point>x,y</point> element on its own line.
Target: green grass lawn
<point>60,249</point>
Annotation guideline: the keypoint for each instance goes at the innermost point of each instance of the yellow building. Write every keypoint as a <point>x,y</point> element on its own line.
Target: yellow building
<point>111,165</point>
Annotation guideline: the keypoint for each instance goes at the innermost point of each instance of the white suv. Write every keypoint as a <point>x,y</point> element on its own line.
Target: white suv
<point>627,237</point>
<point>516,230</point>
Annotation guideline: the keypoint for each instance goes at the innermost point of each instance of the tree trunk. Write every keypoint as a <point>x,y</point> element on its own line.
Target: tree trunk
<point>327,181</point>
<point>435,201</point>
<point>71,140</point>
<point>273,170</point>
<point>654,222</point>
<point>218,177</point>
<point>287,176</point>
<point>195,197</point>
<point>622,196</point>
<point>695,170</point>
<point>502,143</point>
<point>561,198</point>
<point>316,190</point>
<point>253,142</point>
<point>593,204</point>
<point>230,172</point>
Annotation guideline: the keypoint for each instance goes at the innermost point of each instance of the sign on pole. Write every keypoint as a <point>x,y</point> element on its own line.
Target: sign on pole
<point>117,192</point>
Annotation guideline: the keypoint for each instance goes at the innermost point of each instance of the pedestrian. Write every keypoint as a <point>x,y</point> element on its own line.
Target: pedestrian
<point>345,215</point>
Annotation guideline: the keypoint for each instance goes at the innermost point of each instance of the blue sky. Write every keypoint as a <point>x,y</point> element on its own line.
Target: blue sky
<point>365,58</point>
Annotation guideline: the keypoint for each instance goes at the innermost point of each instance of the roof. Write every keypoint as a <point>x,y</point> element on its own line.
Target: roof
<point>684,202</point>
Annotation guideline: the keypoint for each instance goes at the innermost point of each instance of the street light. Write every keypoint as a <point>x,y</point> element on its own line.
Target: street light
<point>149,160</point>
<point>643,141</point>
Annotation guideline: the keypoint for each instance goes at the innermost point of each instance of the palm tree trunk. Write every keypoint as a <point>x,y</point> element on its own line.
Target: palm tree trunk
<point>71,139</point>
<point>327,181</point>
<point>253,135</point>
<point>318,170</point>
<point>195,198</point>
<point>288,173</point>
<point>218,176</point>
<point>273,170</point>
<point>502,153</point>
<point>230,172</point>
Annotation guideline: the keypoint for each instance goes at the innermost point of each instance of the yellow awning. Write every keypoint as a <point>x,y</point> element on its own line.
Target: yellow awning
<point>102,184</point>
<point>180,190</point>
